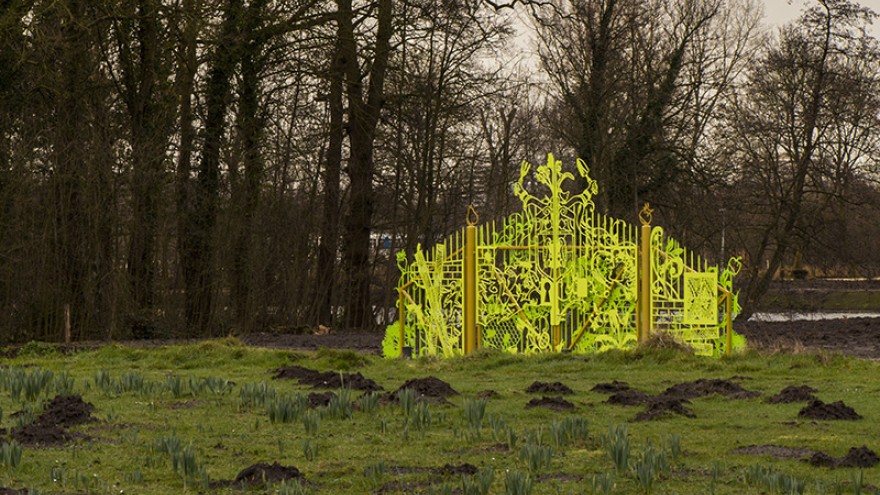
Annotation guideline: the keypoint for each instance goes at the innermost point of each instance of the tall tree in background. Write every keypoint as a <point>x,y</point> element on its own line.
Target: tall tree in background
<point>364,107</point>
<point>805,127</point>
<point>197,248</point>
<point>621,70</point>
<point>139,48</point>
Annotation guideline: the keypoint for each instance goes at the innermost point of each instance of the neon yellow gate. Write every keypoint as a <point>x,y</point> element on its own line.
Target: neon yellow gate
<point>558,276</point>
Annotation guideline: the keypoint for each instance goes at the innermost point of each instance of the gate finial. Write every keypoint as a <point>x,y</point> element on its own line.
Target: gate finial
<point>645,214</point>
<point>472,218</point>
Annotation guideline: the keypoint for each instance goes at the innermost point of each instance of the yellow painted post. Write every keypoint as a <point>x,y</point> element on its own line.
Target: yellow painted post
<point>643,326</point>
<point>728,334</point>
<point>401,316</point>
<point>469,285</point>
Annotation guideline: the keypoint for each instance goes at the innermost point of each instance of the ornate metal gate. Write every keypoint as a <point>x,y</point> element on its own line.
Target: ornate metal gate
<point>558,276</point>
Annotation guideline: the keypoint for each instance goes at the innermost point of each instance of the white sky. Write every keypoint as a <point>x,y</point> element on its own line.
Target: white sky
<point>777,12</point>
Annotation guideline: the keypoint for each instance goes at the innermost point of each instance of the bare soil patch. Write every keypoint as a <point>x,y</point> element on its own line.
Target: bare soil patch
<point>429,388</point>
<point>709,386</point>
<point>629,397</point>
<point>776,451</point>
<point>859,337</point>
<point>661,407</point>
<point>817,409</point>
<point>675,399</point>
<point>552,403</point>
<point>326,379</point>
<point>320,399</point>
<point>268,473</point>
<point>549,388</point>
<point>61,412</point>
<point>861,457</point>
<point>611,387</point>
<point>793,393</point>
<point>487,394</point>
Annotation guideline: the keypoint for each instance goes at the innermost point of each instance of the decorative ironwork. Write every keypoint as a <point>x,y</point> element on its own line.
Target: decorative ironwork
<point>558,276</point>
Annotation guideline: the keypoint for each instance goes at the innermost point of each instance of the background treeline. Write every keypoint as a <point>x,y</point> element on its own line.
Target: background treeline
<point>200,167</point>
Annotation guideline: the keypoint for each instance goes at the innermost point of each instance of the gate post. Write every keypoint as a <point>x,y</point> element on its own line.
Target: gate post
<point>469,284</point>
<point>643,302</point>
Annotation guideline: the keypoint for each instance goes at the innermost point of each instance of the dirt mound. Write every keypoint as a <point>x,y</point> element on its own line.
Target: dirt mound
<point>817,409</point>
<point>794,393</point>
<point>65,411</point>
<point>708,386</point>
<point>610,388</point>
<point>549,388</point>
<point>629,397</point>
<point>262,473</point>
<point>552,403</point>
<point>776,451</point>
<point>326,379</point>
<point>61,412</point>
<point>12,491</point>
<point>320,399</point>
<point>463,469</point>
<point>37,434</point>
<point>487,394</point>
<point>861,457</point>
<point>660,407</point>
<point>428,387</point>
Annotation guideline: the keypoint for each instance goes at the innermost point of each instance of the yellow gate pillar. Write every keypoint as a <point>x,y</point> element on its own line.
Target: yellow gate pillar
<point>643,302</point>
<point>469,284</point>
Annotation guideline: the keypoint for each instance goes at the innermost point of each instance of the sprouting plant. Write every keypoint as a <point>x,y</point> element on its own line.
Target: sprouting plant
<point>616,443</point>
<point>10,454</point>
<point>368,403</point>
<point>569,430</point>
<point>776,482</point>
<point>474,410</point>
<point>132,381</point>
<point>517,483</point>
<point>24,418</point>
<point>479,483</point>
<point>375,474</point>
<point>420,418</point>
<point>103,381</point>
<point>536,457</point>
<point>511,438</point>
<point>310,449</point>
<point>648,466</point>
<point>63,383</point>
<point>174,384</point>
<point>340,405</point>
<point>498,425</point>
<point>285,409</point>
<point>444,489</point>
<point>407,400</point>
<point>217,386</point>
<point>674,446</point>
<point>291,487</point>
<point>311,422</point>
<point>36,382</point>
<point>256,395</point>
<point>858,481</point>
<point>602,483</point>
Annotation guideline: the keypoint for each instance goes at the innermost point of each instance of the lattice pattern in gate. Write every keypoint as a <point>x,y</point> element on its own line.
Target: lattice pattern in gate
<point>559,276</point>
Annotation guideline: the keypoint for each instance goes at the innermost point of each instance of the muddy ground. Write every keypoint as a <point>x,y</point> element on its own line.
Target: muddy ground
<point>853,336</point>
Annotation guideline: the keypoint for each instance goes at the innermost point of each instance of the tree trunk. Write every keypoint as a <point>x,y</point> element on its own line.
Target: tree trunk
<point>325,276</point>
<point>201,215</point>
<point>251,131</point>
<point>364,116</point>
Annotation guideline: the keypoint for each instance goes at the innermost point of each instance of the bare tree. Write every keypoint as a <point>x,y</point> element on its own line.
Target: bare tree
<point>803,129</point>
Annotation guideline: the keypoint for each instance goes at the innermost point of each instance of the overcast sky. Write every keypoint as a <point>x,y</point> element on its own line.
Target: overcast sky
<point>778,12</point>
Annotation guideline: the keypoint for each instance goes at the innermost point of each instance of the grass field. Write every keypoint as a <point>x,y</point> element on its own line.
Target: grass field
<point>188,419</point>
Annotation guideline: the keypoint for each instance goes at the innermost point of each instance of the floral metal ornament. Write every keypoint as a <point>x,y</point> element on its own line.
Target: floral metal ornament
<point>558,276</point>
